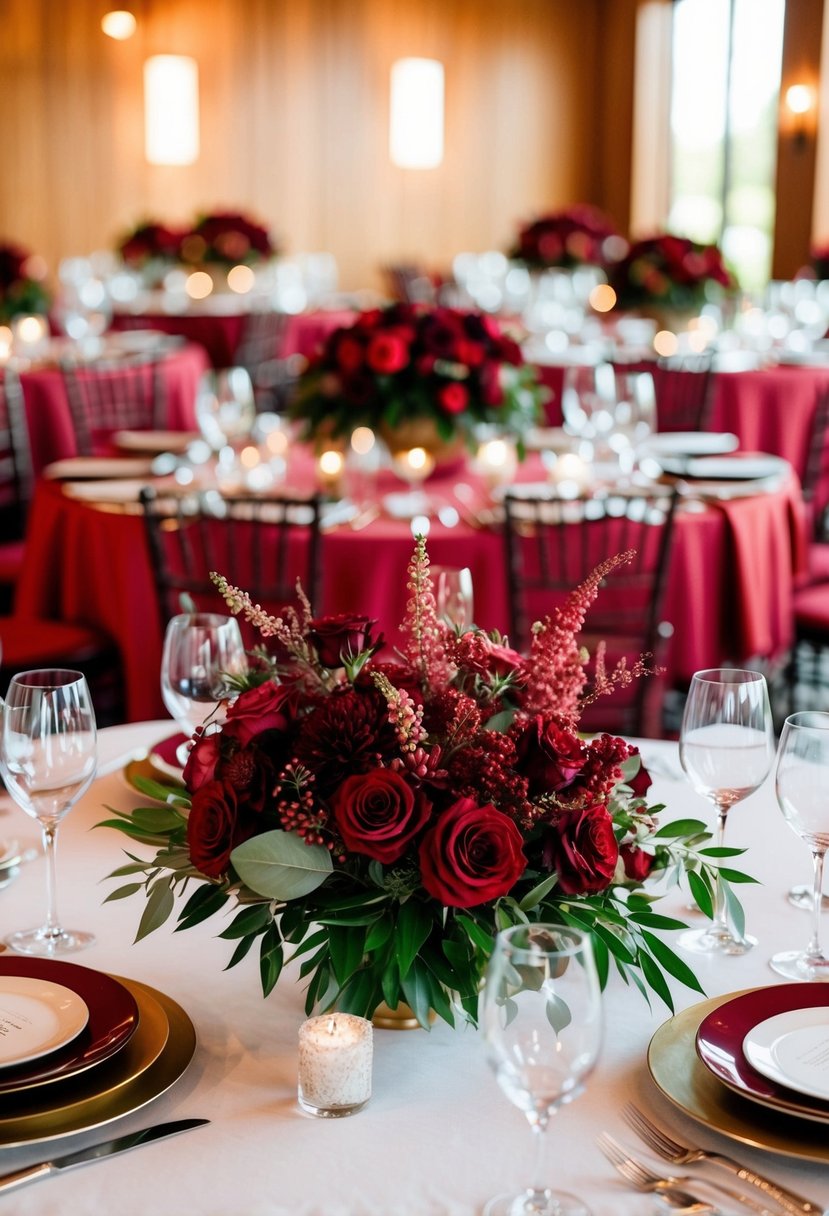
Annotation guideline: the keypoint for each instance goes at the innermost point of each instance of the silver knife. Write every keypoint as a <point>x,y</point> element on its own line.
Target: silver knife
<point>98,1152</point>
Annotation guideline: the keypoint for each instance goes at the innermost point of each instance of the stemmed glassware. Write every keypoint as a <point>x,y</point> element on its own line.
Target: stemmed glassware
<point>226,407</point>
<point>48,758</point>
<point>201,650</point>
<point>726,747</point>
<point>453,595</point>
<point>800,782</point>
<point>541,1014</point>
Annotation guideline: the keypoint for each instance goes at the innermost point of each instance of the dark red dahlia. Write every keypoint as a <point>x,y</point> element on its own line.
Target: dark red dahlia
<point>347,733</point>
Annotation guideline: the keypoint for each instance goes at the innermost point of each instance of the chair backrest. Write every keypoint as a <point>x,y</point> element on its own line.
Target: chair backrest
<point>815,479</point>
<point>260,352</point>
<point>15,457</point>
<point>683,385</point>
<point>108,396</point>
<point>262,545</point>
<point>409,284</point>
<point>553,544</point>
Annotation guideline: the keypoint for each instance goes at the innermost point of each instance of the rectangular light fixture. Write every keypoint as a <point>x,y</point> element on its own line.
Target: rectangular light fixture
<point>171,110</point>
<point>416,126</point>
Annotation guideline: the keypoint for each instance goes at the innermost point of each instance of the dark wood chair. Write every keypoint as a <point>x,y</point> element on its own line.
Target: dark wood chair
<point>815,488</point>
<point>114,395</point>
<point>683,386</point>
<point>16,483</point>
<point>553,544</point>
<point>272,374</point>
<point>263,545</point>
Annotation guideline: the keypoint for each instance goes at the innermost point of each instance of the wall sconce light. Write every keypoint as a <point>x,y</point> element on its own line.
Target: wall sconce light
<point>171,110</point>
<point>800,101</point>
<point>416,126</point>
<point>120,24</point>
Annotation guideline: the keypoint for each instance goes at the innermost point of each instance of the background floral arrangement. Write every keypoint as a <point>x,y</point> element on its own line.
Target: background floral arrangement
<point>22,289</point>
<point>669,270</point>
<point>150,242</point>
<point>571,237</point>
<point>407,361</point>
<point>819,260</point>
<point>225,237</point>
<point>381,822</point>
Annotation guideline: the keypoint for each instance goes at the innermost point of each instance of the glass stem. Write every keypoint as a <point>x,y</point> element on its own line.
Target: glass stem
<point>720,923</point>
<point>51,929</point>
<point>539,1191</point>
<point>813,950</point>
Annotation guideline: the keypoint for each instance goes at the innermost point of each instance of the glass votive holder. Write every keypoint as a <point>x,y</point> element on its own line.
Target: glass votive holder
<point>335,1055</point>
<point>30,335</point>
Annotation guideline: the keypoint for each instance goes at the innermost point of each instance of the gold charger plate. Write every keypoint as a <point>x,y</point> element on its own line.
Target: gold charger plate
<point>155,1057</point>
<point>685,1081</point>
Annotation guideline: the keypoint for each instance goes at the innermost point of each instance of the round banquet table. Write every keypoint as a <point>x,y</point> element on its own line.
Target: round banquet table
<point>51,433</point>
<point>729,594</point>
<point>437,1137</point>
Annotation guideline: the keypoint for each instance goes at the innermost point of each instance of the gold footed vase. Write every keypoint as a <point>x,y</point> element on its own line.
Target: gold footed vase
<point>400,1018</point>
<point>422,433</point>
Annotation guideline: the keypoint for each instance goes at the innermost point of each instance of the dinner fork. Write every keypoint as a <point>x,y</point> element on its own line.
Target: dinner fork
<point>643,1180</point>
<point>685,1154</point>
<point>636,1171</point>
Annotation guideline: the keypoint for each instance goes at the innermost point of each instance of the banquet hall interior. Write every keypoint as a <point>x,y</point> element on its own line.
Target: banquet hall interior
<point>414,607</point>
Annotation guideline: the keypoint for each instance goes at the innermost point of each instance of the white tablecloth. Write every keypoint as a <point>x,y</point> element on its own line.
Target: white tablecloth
<point>437,1138</point>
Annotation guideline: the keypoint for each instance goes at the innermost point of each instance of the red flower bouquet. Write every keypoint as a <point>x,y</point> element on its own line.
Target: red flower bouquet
<point>22,289</point>
<point>150,243</point>
<point>393,365</point>
<point>379,822</point>
<point>670,271</point>
<point>228,238</point>
<point>575,236</point>
<point>819,260</point>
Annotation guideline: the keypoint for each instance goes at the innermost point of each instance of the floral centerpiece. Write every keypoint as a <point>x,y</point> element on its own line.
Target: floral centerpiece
<point>576,236</point>
<point>819,261</point>
<point>380,822</point>
<point>410,364</point>
<point>227,238</point>
<point>150,244</point>
<point>671,272</point>
<point>22,287</point>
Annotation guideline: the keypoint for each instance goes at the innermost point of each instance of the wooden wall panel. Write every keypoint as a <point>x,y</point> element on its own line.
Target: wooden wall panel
<point>294,113</point>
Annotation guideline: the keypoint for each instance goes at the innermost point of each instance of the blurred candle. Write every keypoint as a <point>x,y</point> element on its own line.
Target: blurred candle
<point>335,1055</point>
<point>29,335</point>
<point>497,460</point>
<point>414,464</point>
<point>330,466</point>
<point>5,343</point>
<point>570,474</point>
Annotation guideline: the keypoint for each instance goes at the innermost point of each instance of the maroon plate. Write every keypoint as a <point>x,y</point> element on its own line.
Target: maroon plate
<point>113,1016</point>
<point>719,1044</point>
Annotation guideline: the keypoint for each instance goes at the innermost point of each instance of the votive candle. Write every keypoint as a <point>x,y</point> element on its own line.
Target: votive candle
<point>335,1054</point>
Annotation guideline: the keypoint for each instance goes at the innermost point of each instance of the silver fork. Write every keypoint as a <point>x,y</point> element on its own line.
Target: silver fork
<point>619,1157</point>
<point>685,1154</point>
<point>644,1180</point>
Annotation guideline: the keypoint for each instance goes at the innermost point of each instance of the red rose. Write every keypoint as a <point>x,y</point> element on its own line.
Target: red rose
<point>471,855</point>
<point>453,398</point>
<point>349,354</point>
<point>550,755</point>
<point>343,634</point>
<point>266,707</point>
<point>642,782</point>
<point>387,353</point>
<point>212,828</point>
<point>638,863</point>
<point>583,850</point>
<point>378,813</point>
<point>478,653</point>
<point>202,762</point>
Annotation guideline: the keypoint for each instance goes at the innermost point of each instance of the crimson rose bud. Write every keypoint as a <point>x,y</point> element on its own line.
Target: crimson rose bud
<point>334,636</point>
<point>266,707</point>
<point>377,813</point>
<point>550,755</point>
<point>202,761</point>
<point>211,827</point>
<point>638,863</point>
<point>642,782</point>
<point>583,850</point>
<point>471,855</point>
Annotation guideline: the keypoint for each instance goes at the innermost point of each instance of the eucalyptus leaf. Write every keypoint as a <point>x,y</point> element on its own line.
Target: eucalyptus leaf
<point>558,1013</point>
<point>279,865</point>
<point>160,904</point>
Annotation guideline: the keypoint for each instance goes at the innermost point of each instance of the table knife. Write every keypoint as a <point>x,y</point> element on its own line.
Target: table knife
<point>97,1152</point>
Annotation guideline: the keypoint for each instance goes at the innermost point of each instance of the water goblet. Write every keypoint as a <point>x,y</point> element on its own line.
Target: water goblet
<point>800,781</point>
<point>48,758</point>
<point>541,1014</point>
<point>453,595</point>
<point>226,407</point>
<point>726,747</point>
<point>202,650</point>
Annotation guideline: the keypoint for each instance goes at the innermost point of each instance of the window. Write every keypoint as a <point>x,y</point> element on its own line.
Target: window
<point>725,85</point>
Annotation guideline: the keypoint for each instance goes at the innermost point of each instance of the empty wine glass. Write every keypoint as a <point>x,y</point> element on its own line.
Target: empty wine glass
<point>726,747</point>
<point>201,651</point>
<point>48,758</point>
<point>542,1021</point>
<point>800,783</point>
<point>588,403</point>
<point>226,406</point>
<point>453,595</point>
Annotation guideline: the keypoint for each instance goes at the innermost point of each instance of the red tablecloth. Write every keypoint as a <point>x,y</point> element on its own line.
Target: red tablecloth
<point>51,433</point>
<point>729,595</point>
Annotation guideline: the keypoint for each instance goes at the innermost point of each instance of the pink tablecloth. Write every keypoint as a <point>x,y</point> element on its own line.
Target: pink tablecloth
<point>729,595</point>
<point>51,433</point>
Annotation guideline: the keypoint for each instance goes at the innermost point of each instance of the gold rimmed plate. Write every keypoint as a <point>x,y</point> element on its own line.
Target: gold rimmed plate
<point>156,1056</point>
<point>685,1081</point>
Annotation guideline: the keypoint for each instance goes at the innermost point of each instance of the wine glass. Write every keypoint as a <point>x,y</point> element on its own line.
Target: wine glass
<point>48,758</point>
<point>541,1015</point>
<point>201,650</point>
<point>226,407</point>
<point>726,747</point>
<point>800,784</point>
<point>588,405</point>
<point>453,595</point>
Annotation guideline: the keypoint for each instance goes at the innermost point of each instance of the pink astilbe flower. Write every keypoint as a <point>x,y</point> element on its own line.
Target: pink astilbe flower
<point>425,646</point>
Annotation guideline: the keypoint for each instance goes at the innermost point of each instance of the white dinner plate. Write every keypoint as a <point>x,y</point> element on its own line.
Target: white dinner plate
<point>36,1018</point>
<point>98,467</point>
<point>691,443</point>
<point>105,491</point>
<point>154,441</point>
<point>792,1049</point>
<point>737,361</point>
<point>802,358</point>
<point>727,468</point>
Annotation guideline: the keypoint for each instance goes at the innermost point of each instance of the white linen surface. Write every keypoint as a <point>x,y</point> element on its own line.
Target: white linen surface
<point>438,1138</point>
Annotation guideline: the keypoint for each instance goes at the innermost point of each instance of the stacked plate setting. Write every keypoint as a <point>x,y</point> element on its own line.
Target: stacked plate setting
<point>79,1048</point>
